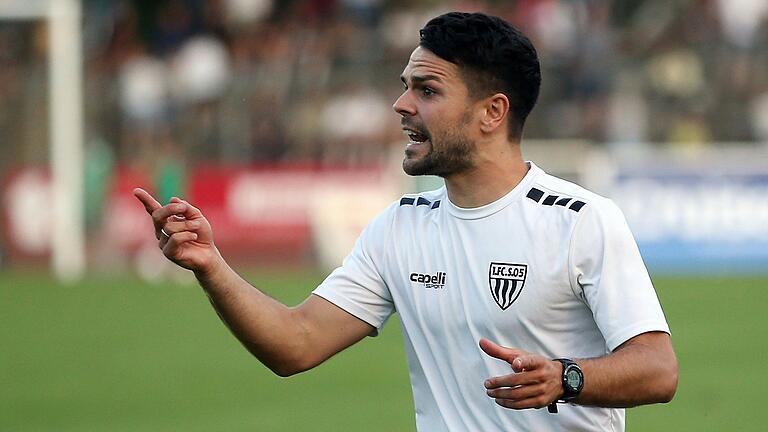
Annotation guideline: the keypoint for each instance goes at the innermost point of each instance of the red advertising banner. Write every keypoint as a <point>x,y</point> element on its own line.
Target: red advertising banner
<point>264,213</point>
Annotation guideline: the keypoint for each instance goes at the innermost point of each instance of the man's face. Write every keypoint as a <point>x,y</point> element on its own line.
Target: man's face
<point>436,115</point>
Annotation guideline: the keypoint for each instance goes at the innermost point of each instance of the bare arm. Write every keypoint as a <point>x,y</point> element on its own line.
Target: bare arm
<point>643,370</point>
<point>288,340</point>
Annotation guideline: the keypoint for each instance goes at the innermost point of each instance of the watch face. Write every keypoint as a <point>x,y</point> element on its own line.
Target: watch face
<point>573,378</point>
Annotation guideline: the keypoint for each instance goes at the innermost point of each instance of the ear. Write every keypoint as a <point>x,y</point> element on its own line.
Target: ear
<point>494,114</point>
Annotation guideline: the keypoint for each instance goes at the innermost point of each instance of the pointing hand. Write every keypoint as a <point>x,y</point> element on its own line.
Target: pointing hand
<point>184,234</point>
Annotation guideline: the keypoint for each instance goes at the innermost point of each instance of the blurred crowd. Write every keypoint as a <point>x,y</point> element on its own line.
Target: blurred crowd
<point>314,80</point>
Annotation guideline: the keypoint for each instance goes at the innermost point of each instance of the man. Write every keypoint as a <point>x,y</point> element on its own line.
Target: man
<point>515,289</point>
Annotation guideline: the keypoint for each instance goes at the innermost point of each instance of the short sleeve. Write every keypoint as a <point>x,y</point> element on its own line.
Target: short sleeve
<point>357,286</point>
<point>607,270</point>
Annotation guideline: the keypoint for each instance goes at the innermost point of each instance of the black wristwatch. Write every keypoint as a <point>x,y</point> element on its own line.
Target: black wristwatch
<point>573,382</point>
<point>573,379</point>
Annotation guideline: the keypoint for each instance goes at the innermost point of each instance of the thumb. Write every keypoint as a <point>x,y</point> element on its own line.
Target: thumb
<point>497,351</point>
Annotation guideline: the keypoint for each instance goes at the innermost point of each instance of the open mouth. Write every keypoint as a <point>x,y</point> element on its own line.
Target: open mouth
<point>415,137</point>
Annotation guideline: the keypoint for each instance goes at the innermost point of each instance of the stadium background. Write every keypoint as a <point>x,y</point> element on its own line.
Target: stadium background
<point>274,117</point>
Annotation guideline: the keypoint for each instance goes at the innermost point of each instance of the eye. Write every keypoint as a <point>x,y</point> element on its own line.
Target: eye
<point>427,91</point>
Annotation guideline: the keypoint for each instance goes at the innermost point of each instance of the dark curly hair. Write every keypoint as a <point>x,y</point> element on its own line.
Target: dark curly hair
<point>493,57</point>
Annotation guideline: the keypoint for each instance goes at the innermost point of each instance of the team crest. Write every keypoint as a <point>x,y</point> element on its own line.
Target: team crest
<point>506,282</point>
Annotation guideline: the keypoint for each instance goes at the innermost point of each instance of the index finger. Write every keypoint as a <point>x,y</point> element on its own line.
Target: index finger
<point>528,363</point>
<point>150,203</point>
<point>512,380</point>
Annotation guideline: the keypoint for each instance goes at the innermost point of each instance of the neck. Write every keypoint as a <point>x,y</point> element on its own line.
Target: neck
<point>491,177</point>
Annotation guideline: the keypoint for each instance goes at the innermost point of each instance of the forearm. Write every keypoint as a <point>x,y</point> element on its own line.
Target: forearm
<point>636,374</point>
<point>271,331</point>
<point>287,340</point>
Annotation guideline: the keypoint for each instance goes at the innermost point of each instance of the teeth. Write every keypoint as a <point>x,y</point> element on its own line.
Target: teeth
<point>416,137</point>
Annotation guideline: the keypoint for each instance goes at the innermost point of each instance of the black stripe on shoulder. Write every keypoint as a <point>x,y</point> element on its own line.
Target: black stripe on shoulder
<point>577,205</point>
<point>549,200</point>
<point>535,194</point>
<point>419,201</point>
<point>563,201</point>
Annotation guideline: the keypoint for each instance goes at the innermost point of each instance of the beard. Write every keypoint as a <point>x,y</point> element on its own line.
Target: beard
<point>448,153</point>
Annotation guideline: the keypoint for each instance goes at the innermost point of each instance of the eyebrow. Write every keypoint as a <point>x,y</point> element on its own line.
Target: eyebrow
<point>421,78</point>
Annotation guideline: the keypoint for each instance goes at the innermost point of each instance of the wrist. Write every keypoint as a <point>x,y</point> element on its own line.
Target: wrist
<point>211,270</point>
<point>560,389</point>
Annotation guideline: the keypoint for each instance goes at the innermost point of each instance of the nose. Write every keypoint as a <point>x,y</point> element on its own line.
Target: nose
<point>403,105</point>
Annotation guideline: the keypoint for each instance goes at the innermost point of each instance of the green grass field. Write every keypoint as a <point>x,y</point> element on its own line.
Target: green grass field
<point>122,355</point>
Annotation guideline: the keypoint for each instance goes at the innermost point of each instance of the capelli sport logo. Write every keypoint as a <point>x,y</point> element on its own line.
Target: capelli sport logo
<point>435,281</point>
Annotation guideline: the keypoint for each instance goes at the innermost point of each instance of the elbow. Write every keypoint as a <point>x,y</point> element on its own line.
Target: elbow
<point>284,371</point>
<point>289,352</point>
<point>668,382</point>
<point>288,365</point>
<point>668,393</point>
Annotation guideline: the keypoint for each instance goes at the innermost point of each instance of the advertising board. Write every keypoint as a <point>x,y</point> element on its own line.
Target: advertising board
<point>697,222</point>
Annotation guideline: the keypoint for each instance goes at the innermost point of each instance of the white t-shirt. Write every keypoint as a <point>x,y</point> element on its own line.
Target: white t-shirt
<point>549,268</point>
